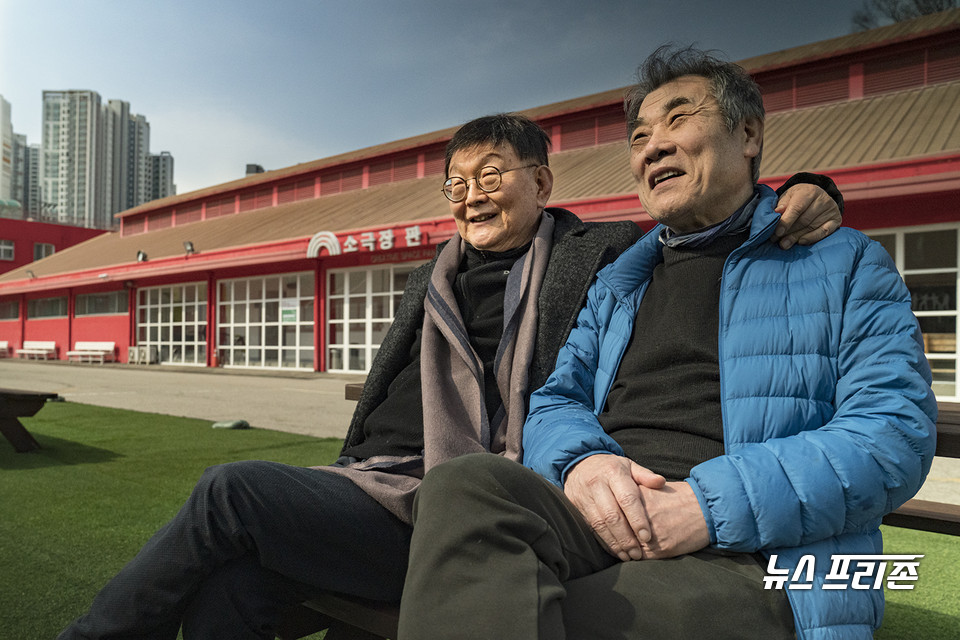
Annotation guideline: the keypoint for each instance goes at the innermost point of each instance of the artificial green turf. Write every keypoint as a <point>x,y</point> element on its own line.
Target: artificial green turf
<point>73,512</point>
<point>931,610</point>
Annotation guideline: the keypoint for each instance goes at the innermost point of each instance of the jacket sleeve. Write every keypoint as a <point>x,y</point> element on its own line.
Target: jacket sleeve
<point>562,426</point>
<point>868,458</point>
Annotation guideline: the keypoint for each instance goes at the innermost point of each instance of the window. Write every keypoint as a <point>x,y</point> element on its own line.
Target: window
<point>9,310</point>
<point>174,320</point>
<point>47,308</point>
<point>101,304</point>
<point>266,322</point>
<point>6,249</point>
<point>927,259</point>
<point>360,308</point>
<point>42,250</point>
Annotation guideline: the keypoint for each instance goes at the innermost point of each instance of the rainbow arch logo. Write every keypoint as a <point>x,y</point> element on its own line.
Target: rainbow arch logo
<point>323,240</point>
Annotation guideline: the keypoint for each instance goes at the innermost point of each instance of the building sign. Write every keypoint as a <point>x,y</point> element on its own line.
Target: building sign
<point>366,242</point>
<point>288,309</point>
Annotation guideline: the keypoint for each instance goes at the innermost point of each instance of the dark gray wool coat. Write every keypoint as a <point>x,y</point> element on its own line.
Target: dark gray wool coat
<point>579,251</point>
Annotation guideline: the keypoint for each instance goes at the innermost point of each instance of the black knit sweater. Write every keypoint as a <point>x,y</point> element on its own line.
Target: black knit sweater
<point>664,406</point>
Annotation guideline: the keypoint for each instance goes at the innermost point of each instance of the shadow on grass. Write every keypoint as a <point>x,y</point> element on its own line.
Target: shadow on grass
<point>905,621</point>
<point>53,452</point>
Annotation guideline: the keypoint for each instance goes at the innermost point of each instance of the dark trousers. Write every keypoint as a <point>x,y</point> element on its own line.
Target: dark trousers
<point>252,539</point>
<point>498,552</point>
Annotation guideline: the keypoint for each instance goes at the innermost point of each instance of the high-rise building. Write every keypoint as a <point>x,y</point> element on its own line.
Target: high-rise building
<point>139,165</point>
<point>162,183</point>
<point>72,158</point>
<point>6,151</point>
<point>26,171</point>
<point>95,158</point>
<point>116,131</point>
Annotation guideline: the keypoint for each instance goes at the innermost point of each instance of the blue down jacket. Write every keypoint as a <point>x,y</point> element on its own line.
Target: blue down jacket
<point>828,415</point>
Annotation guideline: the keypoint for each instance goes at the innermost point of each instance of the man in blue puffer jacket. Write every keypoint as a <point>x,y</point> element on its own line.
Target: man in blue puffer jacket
<point>719,402</point>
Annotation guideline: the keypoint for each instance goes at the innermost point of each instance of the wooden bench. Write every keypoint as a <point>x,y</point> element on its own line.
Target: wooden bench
<point>90,351</point>
<point>16,404</point>
<point>355,619</point>
<point>37,349</point>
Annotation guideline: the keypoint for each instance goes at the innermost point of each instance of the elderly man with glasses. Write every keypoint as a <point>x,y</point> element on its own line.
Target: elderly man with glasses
<point>478,329</point>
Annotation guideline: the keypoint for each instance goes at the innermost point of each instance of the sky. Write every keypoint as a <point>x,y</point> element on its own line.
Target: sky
<point>225,83</point>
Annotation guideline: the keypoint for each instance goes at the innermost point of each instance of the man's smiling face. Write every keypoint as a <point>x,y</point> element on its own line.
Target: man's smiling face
<point>691,170</point>
<point>507,217</point>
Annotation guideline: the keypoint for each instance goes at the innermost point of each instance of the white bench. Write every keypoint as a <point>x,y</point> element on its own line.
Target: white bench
<point>90,351</point>
<point>37,349</point>
<point>4,348</point>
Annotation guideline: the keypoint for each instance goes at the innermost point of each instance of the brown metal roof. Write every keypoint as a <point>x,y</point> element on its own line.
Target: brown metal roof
<point>924,25</point>
<point>581,173</point>
<point>908,124</point>
<point>897,126</point>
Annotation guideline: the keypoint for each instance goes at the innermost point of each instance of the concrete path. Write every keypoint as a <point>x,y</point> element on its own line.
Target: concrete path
<point>296,402</point>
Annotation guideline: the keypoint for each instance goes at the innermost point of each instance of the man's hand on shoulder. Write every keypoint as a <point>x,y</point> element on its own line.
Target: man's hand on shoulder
<point>606,490</point>
<point>808,215</point>
<point>676,521</point>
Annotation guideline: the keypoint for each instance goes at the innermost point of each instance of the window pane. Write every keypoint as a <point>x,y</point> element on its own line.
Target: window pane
<point>358,361</point>
<point>358,282</point>
<point>272,287</point>
<point>273,311</point>
<point>381,307</point>
<point>306,310</point>
<point>335,359</point>
<point>381,280</point>
<point>358,308</point>
<point>306,358</point>
<point>336,284</point>
<point>930,249</point>
<point>358,333</point>
<point>933,291</point>
<point>939,333</point>
<point>306,335</point>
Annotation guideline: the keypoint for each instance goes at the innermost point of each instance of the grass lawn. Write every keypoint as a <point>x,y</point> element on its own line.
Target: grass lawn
<point>74,512</point>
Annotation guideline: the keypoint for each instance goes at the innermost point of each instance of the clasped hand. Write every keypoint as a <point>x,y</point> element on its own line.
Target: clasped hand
<point>634,512</point>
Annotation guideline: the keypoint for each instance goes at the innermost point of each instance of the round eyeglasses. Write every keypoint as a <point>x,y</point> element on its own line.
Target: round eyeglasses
<point>488,179</point>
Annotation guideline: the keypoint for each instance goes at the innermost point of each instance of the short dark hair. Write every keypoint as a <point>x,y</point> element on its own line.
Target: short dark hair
<point>528,139</point>
<point>735,91</point>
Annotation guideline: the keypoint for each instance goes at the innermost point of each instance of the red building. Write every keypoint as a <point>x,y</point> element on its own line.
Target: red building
<point>301,267</point>
<point>25,241</point>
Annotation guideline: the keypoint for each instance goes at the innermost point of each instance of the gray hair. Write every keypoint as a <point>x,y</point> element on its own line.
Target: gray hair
<point>735,91</point>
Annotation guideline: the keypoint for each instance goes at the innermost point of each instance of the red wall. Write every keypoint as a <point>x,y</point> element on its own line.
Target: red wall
<point>25,233</point>
<point>113,328</point>
<point>10,331</point>
<point>51,329</point>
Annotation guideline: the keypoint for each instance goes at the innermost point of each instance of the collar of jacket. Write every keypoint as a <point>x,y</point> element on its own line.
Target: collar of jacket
<point>626,277</point>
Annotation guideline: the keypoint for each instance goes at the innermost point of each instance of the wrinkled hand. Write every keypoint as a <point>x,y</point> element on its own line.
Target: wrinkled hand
<point>676,521</point>
<point>606,490</point>
<point>808,215</point>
